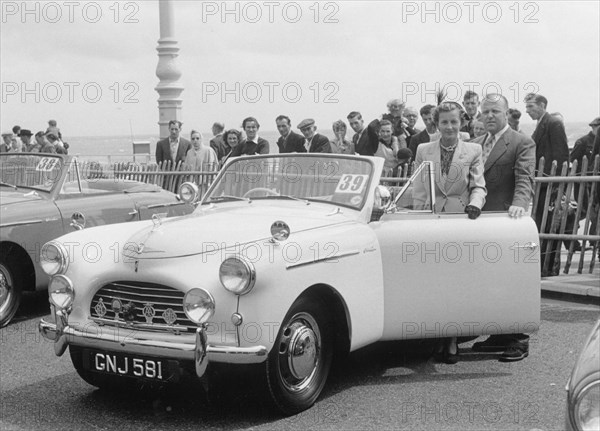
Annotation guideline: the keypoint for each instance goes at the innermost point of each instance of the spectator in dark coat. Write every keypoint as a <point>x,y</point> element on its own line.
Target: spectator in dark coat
<point>314,142</point>
<point>551,143</point>
<point>290,141</point>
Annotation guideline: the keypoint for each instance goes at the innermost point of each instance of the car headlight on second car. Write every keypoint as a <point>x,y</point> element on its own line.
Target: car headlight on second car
<point>198,305</point>
<point>237,275</point>
<point>586,410</point>
<point>54,258</point>
<point>60,292</point>
<point>188,192</point>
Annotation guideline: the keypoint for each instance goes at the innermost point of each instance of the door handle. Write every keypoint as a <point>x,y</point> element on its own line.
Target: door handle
<point>134,212</point>
<point>527,246</point>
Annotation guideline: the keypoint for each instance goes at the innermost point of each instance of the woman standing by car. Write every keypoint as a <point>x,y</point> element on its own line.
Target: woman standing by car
<point>459,181</point>
<point>200,157</point>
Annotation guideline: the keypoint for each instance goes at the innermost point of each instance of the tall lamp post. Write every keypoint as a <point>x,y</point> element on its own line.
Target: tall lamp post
<point>169,88</point>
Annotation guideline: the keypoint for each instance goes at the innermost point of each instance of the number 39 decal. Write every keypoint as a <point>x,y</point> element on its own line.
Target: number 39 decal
<point>352,183</point>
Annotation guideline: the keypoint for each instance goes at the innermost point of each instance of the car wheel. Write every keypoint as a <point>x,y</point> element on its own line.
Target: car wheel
<point>11,286</point>
<point>101,381</point>
<point>299,362</point>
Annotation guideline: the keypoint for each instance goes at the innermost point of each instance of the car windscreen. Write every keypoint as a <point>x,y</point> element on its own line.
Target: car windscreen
<point>40,172</point>
<point>337,180</point>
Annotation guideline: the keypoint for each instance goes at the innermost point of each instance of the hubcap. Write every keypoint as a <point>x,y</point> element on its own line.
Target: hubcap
<point>6,290</point>
<point>299,352</point>
<point>302,356</point>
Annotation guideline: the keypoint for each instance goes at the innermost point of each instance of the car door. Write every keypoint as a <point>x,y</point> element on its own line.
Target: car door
<point>93,202</point>
<point>158,201</point>
<point>446,275</point>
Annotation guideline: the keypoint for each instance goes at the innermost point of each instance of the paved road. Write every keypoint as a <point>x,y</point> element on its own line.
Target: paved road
<point>386,386</point>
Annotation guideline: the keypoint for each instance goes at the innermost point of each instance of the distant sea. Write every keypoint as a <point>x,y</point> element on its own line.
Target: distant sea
<point>121,148</point>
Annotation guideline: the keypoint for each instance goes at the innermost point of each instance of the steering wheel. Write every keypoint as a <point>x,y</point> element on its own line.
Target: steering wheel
<point>266,191</point>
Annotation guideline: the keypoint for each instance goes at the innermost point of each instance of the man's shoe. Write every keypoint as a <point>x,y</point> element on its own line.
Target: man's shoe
<point>515,352</point>
<point>492,344</point>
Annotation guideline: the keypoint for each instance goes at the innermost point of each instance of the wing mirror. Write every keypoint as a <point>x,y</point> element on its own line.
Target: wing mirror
<point>77,221</point>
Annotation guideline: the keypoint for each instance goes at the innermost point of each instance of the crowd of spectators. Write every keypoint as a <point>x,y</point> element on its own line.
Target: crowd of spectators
<point>25,141</point>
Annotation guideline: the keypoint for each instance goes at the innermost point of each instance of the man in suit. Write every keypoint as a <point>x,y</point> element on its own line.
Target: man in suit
<point>314,142</point>
<point>365,139</point>
<point>509,162</point>
<point>253,144</point>
<point>174,148</point>
<point>217,143</point>
<point>290,141</point>
<point>429,131</point>
<point>411,116</point>
<point>550,143</point>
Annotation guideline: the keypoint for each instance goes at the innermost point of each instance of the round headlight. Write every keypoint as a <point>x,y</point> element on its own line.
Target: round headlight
<point>54,258</point>
<point>188,192</point>
<point>587,408</point>
<point>60,291</point>
<point>199,305</point>
<point>237,275</point>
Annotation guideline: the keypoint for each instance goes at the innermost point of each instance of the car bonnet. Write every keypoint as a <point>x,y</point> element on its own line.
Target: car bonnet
<point>212,229</point>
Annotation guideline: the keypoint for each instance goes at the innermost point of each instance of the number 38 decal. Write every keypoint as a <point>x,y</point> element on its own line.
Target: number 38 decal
<point>352,183</point>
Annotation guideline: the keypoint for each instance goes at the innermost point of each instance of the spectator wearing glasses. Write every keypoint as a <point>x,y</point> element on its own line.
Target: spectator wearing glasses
<point>200,157</point>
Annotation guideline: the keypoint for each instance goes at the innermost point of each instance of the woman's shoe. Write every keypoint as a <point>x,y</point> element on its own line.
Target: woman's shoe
<point>450,358</point>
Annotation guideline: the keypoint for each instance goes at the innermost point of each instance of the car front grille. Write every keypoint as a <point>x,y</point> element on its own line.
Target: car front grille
<point>145,306</point>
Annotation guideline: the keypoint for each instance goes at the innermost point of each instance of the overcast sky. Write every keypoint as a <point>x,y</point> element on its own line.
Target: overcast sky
<point>92,65</point>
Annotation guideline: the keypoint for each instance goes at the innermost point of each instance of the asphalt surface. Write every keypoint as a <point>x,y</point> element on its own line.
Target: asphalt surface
<point>384,386</point>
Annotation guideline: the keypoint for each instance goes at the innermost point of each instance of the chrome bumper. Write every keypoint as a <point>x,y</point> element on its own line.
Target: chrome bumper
<point>200,351</point>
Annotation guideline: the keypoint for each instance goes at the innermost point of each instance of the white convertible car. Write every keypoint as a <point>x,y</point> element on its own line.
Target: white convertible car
<point>287,261</point>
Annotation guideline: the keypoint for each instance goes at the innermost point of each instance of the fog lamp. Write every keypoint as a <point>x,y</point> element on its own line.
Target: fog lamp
<point>54,258</point>
<point>188,192</point>
<point>587,408</point>
<point>60,291</point>
<point>199,305</point>
<point>237,275</point>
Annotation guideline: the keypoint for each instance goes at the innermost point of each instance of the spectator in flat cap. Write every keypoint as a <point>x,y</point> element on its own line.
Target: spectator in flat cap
<point>314,142</point>
<point>25,136</point>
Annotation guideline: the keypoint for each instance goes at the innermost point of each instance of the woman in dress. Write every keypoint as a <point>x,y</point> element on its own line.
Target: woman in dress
<point>459,181</point>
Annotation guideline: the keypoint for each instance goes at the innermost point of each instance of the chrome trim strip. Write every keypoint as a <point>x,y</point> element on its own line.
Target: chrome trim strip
<point>146,326</point>
<point>100,341</point>
<point>20,223</point>
<point>323,259</point>
<point>165,205</point>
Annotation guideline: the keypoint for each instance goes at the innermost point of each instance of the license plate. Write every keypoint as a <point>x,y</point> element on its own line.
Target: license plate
<point>130,366</point>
